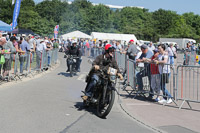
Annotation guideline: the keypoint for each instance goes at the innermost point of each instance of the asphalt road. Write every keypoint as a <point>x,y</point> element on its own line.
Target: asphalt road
<point>52,104</point>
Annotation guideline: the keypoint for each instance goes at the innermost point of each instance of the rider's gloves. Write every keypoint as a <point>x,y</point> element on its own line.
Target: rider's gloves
<point>120,76</point>
<point>96,67</point>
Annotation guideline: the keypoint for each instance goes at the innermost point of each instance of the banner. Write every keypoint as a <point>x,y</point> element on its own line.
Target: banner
<point>56,29</point>
<point>16,13</point>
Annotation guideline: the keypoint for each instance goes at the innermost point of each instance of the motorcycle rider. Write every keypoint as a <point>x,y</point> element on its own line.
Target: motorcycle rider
<point>75,50</point>
<point>102,61</point>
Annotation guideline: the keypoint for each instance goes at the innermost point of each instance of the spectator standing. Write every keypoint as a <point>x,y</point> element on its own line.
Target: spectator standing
<point>49,52</point>
<point>55,44</point>
<point>8,50</point>
<point>187,54</point>
<point>171,53</point>
<point>1,53</point>
<point>32,44</point>
<point>164,70</point>
<point>132,50</point>
<point>114,44</point>
<point>146,54</point>
<point>23,57</point>
<point>118,46</point>
<point>151,46</point>
<point>155,75</point>
<point>41,46</point>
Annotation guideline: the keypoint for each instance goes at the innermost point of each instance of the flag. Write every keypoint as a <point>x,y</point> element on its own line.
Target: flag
<point>13,2</point>
<point>16,13</point>
<point>56,29</point>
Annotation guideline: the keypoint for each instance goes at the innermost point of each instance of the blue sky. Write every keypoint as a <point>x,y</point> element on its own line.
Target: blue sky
<point>180,6</point>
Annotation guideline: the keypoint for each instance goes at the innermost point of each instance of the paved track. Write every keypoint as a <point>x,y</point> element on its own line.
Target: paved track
<point>52,104</point>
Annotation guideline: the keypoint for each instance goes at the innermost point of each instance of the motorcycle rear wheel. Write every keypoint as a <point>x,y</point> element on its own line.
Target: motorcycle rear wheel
<point>104,109</point>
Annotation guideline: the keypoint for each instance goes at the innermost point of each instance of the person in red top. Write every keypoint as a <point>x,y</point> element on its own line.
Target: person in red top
<point>155,76</point>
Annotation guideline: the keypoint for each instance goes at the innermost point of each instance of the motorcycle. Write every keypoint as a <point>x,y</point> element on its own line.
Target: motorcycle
<point>72,60</point>
<point>103,92</point>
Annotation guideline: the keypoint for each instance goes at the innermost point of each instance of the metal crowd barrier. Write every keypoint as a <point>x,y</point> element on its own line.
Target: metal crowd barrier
<point>30,65</point>
<point>182,84</point>
<point>143,81</point>
<point>121,60</point>
<point>187,84</point>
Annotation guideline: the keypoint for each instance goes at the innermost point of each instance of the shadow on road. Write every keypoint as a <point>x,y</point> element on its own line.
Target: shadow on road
<point>139,97</point>
<point>64,74</point>
<point>80,107</point>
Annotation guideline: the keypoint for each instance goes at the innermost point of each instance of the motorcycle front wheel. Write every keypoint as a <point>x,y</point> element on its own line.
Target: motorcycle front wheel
<point>103,109</point>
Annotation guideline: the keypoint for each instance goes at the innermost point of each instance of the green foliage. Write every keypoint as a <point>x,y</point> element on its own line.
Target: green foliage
<point>82,15</point>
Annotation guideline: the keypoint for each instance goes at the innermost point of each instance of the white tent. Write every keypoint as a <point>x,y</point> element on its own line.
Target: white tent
<point>75,34</point>
<point>113,36</point>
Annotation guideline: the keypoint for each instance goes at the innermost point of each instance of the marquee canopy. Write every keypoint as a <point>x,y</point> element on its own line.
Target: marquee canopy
<point>75,34</point>
<point>113,36</point>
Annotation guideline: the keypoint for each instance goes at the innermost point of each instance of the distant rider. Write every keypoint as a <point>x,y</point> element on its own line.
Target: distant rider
<point>74,50</point>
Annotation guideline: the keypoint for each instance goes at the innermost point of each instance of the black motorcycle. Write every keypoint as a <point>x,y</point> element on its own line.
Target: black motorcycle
<point>104,92</point>
<point>72,60</point>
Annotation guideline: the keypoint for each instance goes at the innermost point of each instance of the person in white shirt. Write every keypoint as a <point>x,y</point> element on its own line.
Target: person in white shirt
<point>118,46</point>
<point>32,44</point>
<point>151,46</point>
<point>171,53</point>
<point>40,48</point>
<point>164,70</point>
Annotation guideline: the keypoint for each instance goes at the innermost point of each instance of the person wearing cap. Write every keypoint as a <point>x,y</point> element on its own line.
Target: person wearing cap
<point>132,50</point>
<point>41,46</point>
<point>8,50</point>
<point>155,75</point>
<point>76,51</point>
<point>103,61</point>
<point>146,54</point>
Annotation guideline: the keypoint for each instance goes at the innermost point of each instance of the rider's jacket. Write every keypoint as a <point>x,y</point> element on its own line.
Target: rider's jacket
<point>105,63</point>
<point>71,50</point>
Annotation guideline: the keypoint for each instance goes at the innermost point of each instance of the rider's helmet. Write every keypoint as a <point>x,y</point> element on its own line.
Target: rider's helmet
<point>109,48</point>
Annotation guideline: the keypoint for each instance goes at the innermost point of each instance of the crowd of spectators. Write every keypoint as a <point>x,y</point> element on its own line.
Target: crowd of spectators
<point>26,47</point>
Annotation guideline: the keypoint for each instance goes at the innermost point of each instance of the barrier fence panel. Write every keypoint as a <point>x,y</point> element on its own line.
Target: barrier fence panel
<point>187,84</point>
<point>121,60</point>
<point>145,78</point>
<point>131,73</point>
<point>56,55</point>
